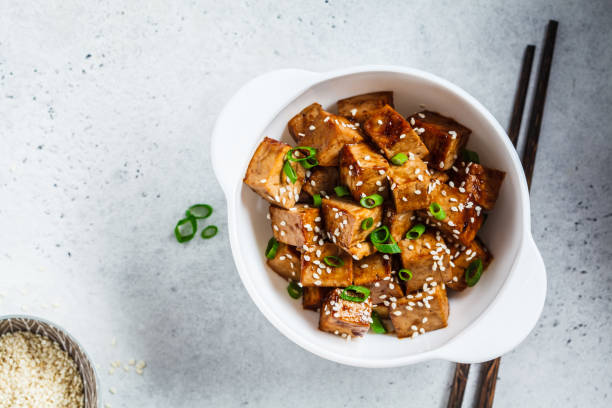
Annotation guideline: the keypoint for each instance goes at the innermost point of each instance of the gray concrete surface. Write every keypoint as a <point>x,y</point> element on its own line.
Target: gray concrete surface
<point>106,110</point>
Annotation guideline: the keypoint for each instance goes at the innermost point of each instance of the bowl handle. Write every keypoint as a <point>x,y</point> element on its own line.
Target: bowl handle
<point>512,316</point>
<point>246,115</point>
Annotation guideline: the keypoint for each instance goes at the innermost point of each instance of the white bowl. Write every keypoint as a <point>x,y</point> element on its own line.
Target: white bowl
<point>485,321</point>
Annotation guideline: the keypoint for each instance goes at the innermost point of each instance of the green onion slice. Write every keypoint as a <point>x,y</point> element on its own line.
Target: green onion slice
<point>391,248</point>
<point>405,274</point>
<point>399,159</point>
<point>185,229</point>
<point>367,223</point>
<point>415,232</point>
<point>437,211</point>
<point>305,153</point>
<point>371,201</point>
<point>310,163</point>
<point>380,235</point>
<point>199,211</point>
<point>341,191</point>
<point>358,289</point>
<point>333,260</point>
<point>271,248</point>
<point>316,200</point>
<point>471,156</point>
<point>209,232</point>
<point>290,171</point>
<point>294,290</point>
<point>376,325</point>
<point>473,272</point>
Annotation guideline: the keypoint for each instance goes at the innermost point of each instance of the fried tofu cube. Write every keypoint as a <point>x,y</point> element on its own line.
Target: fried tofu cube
<point>371,269</point>
<point>410,185</point>
<point>382,310</point>
<point>363,171</point>
<point>316,272</point>
<point>313,297</point>
<point>343,220</point>
<point>344,317</point>
<point>393,134</point>
<point>398,223</point>
<point>463,217</point>
<point>421,313</point>
<point>386,291</point>
<point>322,181</point>
<point>361,249</point>
<point>427,259</point>
<point>297,226</point>
<point>324,131</point>
<point>265,174</point>
<point>358,107</point>
<point>462,257</point>
<point>286,262</point>
<point>481,182</point>
<point>443,136</point>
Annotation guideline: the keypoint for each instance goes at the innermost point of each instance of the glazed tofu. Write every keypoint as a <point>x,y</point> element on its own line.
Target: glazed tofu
<point>481,182</point>
<point>361,250</point>
<point>343,317</point>
<point>371,269</point>
<point>443,136</point>
<point>286,263</point>
<point>393,134</point>
<point>297,226</point>
<point>265,174</point>
<point>324,131</point>
<point>398,223</point>
<point>358,107</point>
<point>462,256</point>
<point>343,220</point>
<point>427,258</point>
<point>363,171</point>
<point>386,291</point>
<point>420,313</point>
<point>313,297</point>
<point>410,185</point>
<point>322,181</point>
<point>315,272</point>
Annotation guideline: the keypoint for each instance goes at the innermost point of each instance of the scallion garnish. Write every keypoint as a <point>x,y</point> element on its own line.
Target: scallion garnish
<point>294,290</point>
<point>471,156</point>
<point>399,159</point>
<point>380,235</point>
<point>415,232</point>
<point>333,260</point>
<point>341,191</point>
<point>209,232</point>
<point>305,152</point>
<point>389,248</point>
<point>316,200</point>
<point>271,248</point>
<point>404,274</point>
<point>473,272</point>
<point>185,229</point>
<point>437,211</point>
<point>376,325</point>
<point>310,163</point>
<point>357,289</point>
<point>199,211</point>
<point>367,223</point>
<point>371,201</point>
<point>290,171</point>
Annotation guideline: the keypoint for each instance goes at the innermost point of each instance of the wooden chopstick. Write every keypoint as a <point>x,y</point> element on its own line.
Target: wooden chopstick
<point>455,399</point>
<point>490,368</point>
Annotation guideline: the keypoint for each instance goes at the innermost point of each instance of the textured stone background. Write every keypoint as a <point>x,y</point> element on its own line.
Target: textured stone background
<point>105,115</point>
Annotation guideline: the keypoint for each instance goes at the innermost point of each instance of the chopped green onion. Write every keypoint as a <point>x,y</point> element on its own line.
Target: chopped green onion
<point>380,235</point>
<point>471,156</point>
<point>199,211</point>
<point>294,290</point>
<point>473,272</point>
<point>391,248</point>
<point>306,152</point>
<point>310,163</point>
<point>271,248</point>
<point>316,200</point>
<point>437,211</point>
<point>376,325</point>
<point>405,274</point>
<point>367,223</point>
<point>333,260</point>
<point>290,171</point>
<point>358,289</point>
<point>399,159</point>
<point>341,191</point>
<point>371,201</point>
<point>209,232</point>
<point>415,232</point>
<point>183,232</point>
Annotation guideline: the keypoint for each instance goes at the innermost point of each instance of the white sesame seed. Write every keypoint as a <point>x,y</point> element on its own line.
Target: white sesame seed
<point>311,127</point>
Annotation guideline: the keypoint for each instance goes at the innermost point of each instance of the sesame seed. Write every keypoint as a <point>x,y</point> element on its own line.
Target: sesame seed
<point>311,127</point>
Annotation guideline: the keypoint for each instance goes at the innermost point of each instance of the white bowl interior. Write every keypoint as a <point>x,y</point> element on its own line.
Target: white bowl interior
<point>502,232</point>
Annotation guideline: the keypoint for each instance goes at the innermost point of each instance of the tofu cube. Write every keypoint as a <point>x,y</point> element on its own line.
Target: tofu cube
<point>363,171</point>
<point>265,174</point>
<point>410,185</point>
<point>382,310</point>
<point>343,220</point>
<point>322,181</point>
<point>286,263</point>
<point>371,269</point>
<point>315,272</point>
<point>420,313</point>
<point>386,291</point>
<point>361,249</point>
<point>427,258</point>
<point>398,223</point>
<point>443,136</point>
<point>313,297</point>
<point>461,257</point>
<point>344,317</point>
<point>393,134</point>
<point>358,107</point>
<point>297,226</point>
<point>324,131</point>
<point>481,182</point>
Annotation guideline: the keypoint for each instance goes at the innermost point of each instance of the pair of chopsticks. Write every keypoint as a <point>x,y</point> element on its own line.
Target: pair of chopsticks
<point>486,390</point>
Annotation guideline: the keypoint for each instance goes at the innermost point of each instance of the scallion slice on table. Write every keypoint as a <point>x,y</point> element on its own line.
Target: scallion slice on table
<point>471,156</point>
<point>404,274</point>
<point>371,201</point>
<point>290,171</point>
<point>294,290</point>
<point>399,159</point>
<point>271,248</point>
<point>334,261</point>
<point>376,325</point>
<point>316,200</point>
<point>185,229</point>
<point>209,232</point>
<point>415,232</point>
<point>437,211</point>
<point>367,223</point>
<point>363,291</point>
<point>473,272</point>
<point>199,211</point>
<point>341,191</point>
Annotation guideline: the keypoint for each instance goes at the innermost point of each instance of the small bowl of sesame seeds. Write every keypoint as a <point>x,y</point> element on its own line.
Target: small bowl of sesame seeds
<point>43,366</point>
